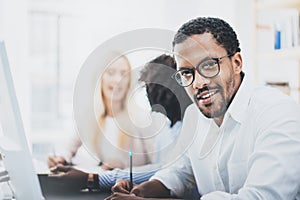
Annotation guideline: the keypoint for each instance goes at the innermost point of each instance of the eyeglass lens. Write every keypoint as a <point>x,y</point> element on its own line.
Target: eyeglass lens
<point>208,68</point>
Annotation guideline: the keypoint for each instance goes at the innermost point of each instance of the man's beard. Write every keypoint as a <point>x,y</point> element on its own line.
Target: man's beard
<point>218,107</point>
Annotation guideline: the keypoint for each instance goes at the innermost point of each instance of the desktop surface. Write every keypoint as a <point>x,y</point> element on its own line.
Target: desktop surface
<point>53,190</point>
<point>76,195</point>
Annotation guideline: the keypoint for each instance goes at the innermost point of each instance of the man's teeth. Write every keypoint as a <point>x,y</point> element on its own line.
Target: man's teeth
<point>207,95</point>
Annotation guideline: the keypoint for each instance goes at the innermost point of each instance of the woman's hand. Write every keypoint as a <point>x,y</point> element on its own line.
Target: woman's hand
<point>56,160</point>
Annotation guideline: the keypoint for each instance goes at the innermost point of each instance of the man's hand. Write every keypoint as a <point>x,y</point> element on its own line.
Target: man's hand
<point>153,188</point>
<point>123,186</point>
<point>56,160</point>
<point>68,177</point>
<point>122,196</point>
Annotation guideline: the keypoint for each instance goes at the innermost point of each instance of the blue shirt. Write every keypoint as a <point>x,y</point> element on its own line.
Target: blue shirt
<point>164,139</point>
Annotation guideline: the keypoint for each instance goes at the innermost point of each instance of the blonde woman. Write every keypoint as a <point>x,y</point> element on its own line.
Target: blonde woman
<point>116,134</point>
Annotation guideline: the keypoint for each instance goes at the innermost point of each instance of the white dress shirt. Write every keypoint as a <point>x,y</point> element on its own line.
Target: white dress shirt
<point>254,154</point>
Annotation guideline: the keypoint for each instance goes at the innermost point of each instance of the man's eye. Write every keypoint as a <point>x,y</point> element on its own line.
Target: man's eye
<point>187,73</point>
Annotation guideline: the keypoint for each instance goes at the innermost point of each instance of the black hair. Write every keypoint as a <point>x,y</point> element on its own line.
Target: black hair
<point>221,31</point>
<point>163,90</point>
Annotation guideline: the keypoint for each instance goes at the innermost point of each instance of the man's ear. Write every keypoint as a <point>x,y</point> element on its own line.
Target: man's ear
<point>237,62</point>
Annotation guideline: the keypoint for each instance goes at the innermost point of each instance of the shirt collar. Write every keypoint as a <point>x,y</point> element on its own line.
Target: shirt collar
<point>239,104</point>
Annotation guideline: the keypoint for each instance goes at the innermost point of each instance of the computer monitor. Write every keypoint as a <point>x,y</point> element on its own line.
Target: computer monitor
<point>13,143</point>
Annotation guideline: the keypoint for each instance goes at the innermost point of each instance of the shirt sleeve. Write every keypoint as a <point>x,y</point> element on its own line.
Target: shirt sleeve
<point>72,148</point>
<point>140,174</point>
<point>178,175</point>
<point>273,168</point>
<point>178,178</point>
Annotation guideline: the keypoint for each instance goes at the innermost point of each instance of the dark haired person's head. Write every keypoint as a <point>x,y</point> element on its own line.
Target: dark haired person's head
<point>209,64</point>
<point>221,31</point>
<point>163,92</point>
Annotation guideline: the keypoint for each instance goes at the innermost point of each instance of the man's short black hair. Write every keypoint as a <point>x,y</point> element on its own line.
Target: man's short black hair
<point>163,90</point>
<point>221,31</point>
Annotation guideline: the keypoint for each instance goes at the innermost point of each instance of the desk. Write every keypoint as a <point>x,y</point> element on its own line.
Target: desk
<point>52,190</point>
<point>76,195</point>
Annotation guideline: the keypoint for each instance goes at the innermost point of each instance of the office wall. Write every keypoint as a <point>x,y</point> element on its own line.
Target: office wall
<point>85,24</point>
<point>14,31</point>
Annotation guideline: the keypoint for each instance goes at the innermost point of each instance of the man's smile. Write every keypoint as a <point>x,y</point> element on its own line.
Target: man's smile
<point>206,97</point>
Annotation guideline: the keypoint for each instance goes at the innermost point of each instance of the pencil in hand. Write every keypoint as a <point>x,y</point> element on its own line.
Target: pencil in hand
<point>130,171</point>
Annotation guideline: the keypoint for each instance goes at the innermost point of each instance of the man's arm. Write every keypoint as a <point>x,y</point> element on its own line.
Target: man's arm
<point>69,178</point>
<point>153,188</point>
<point>177,178</point>
<point>141,174</point>
<point>105,179</point>
<point>147,190</point>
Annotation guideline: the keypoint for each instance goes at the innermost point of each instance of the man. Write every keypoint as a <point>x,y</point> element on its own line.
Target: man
<point>247,143</point>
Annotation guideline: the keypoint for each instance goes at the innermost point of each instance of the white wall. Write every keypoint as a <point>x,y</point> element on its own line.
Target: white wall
<point>88,23</point>
<point>14,31</point>
<point>245,27</point>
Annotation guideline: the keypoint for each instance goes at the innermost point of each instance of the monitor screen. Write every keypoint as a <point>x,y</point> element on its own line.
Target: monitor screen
<point>13,143</point>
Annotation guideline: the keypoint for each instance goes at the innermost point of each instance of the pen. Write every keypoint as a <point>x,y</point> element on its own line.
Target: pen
<point>130,172</point>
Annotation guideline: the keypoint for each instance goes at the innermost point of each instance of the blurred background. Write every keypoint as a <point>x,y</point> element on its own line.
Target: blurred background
<point>47,41</point>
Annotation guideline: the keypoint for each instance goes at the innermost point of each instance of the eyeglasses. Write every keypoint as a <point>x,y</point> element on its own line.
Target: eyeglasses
<point>208,68</point>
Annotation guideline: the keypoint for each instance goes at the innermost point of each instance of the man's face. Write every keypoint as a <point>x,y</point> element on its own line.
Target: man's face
<point>211,95</point>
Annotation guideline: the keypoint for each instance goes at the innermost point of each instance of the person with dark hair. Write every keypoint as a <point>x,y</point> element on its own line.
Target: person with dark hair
<point>164,91</point>
<point>168,103</point>
<point>166,98</point>
<point>246,142</point>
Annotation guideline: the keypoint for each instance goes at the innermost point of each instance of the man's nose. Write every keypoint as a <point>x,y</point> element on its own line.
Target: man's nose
<point>200,81</point>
